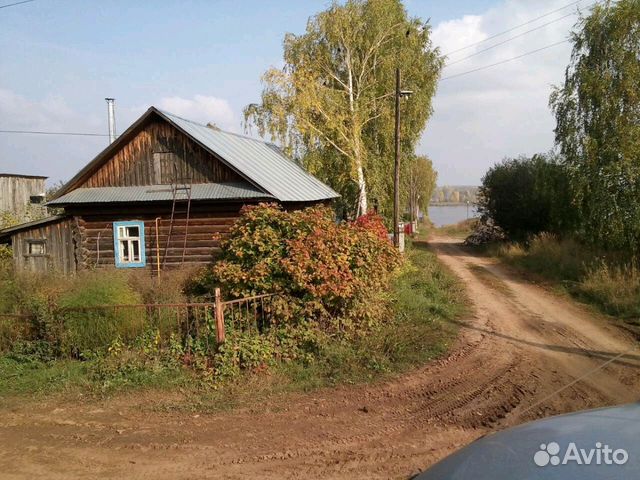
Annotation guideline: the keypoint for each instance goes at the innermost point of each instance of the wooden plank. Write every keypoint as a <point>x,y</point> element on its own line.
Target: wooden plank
<point>133,164</point>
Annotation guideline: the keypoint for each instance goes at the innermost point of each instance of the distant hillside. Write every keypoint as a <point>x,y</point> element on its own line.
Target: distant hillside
<point>454,194</point>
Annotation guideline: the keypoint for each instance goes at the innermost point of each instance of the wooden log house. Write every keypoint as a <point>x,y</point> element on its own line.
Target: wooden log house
<point>156,196</point>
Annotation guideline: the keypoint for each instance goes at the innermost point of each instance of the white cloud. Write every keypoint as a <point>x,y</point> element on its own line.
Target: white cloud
<point>502,111</point>
<point>455,34</point>
<point>202,109</point>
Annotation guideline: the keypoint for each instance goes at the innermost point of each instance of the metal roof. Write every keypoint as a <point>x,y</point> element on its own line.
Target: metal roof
<point>262,162</point>
<point>155,193</point>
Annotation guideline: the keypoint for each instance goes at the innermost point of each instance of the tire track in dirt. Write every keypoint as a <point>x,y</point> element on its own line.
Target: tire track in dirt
<point>522,344</point>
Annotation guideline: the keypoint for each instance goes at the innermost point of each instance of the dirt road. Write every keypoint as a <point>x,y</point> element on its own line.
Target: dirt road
<point>522,344</point>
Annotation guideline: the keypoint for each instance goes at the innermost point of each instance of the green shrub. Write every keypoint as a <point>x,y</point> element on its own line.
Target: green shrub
<point>32,350</point>
<point>331,273</point>
<point>526,196</point>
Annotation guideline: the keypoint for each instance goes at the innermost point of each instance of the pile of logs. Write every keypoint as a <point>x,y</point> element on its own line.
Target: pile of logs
<point>484,234</point>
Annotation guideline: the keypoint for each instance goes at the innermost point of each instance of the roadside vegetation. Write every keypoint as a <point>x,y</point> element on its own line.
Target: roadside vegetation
<point>608,280</point>
<point>573,217</point>
<point>351,310</point>
<point>458,230</point>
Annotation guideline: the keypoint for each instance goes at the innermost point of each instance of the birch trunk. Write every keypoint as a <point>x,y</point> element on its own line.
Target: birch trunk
<point>357,146</point>
<point>362,190</point>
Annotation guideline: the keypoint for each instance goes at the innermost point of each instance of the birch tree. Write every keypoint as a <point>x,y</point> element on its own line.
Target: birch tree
<point>598,123</point>
<point>331,105</point>
<point>420,185</point>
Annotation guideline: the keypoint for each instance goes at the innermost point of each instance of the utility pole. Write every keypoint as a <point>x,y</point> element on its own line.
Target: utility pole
<point>396,179</point>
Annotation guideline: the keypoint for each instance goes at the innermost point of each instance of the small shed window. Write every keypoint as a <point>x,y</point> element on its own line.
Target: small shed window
<point>36,248</point>
<point>129,244</point>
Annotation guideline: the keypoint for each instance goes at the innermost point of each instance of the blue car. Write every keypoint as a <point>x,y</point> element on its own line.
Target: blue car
<point>589,445</point>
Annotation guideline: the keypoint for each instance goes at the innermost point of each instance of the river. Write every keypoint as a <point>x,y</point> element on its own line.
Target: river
<point>449,214</point>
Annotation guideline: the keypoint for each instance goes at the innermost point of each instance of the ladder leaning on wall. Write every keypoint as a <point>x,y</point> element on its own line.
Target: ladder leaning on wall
<point>181,195</point>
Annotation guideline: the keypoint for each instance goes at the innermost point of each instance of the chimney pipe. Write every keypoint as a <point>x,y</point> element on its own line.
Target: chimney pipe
<point>112,118</point>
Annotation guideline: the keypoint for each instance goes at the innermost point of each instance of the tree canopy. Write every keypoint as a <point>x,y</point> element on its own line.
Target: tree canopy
<point>598,123</point>
<point>526,196</point>
<point>332,104</point>
<point>420,182</point>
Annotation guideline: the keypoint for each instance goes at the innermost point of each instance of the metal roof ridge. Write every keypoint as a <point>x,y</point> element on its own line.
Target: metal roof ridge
<point>218,130</point>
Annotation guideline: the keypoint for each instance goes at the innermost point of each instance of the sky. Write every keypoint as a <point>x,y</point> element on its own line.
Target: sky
<point>203,59</point>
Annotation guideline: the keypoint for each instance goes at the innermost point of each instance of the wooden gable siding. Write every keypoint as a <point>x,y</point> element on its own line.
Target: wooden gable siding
<point>16,192</point>
<point>97,243</point>
<point>60,248</point>
<point>154,156</point>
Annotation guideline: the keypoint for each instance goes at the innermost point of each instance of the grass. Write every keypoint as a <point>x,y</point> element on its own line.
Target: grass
<point>458,230</point>
<point>607,280</point>
<point>424,298</point>
<point>28,376</point>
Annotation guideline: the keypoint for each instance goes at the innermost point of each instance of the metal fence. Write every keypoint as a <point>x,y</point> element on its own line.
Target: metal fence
<point>97,326</point>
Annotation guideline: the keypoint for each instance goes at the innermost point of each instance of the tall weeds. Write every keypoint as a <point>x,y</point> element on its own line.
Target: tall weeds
<point>610,280</point>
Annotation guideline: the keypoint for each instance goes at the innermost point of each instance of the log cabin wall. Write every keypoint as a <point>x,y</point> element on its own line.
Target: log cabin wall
<point>52,249</point>
<point>155,156</point>
<point>96,247</point>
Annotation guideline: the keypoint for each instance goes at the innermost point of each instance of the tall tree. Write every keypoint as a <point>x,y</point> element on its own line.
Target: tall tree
<point>331,106</point>
<point>420,184</point>
<point>598,122</point>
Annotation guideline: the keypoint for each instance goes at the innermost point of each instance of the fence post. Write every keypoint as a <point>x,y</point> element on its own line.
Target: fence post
<point>219,317</point>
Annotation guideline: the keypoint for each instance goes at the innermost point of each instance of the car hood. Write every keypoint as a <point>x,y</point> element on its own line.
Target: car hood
<point>573,446</point>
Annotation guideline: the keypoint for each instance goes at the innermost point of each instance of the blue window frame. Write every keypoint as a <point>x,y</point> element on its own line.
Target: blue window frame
<point>128,244</point>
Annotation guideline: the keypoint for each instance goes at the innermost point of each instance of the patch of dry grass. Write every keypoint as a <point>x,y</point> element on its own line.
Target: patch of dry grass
<point>458,230</point>
<point>608,280</point>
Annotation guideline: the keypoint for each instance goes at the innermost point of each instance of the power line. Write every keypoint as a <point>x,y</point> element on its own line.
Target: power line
<point>36,132</point>
<point>17,3</point>
<point>504,61</point>
<point>513,38</point>
<point>513,28</point>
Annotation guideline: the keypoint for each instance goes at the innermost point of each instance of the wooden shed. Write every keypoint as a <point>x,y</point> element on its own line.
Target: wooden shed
<point>43,245</point>
<point>156,196</point>
<point>17,192</point>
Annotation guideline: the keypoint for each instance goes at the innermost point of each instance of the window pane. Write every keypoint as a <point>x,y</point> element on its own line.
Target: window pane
<point>130,247</point>
<point>36,248</point>
<point>124,251</point>
<point>135,246</point>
